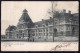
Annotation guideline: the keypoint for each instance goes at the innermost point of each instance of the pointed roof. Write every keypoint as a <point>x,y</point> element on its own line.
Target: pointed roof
<point>25,17</point>
<point>24,10</point>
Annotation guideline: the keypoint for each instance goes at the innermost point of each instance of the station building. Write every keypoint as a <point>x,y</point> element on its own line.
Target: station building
<point>65,24</point>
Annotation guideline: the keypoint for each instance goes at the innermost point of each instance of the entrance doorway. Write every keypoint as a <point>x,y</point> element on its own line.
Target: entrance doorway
<point>55,32</point>
<point>73,31</point>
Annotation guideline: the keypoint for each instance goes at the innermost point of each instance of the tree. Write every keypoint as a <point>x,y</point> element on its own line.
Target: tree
<point>54,14</point>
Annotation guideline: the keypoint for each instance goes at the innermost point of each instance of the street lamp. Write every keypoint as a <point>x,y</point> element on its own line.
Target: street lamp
<point>53,20</point>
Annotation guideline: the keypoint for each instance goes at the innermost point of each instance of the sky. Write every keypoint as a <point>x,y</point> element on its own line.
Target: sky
<point>11,11</point>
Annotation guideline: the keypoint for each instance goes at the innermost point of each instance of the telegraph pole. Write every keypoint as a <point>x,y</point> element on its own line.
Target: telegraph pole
<point>53,19</point>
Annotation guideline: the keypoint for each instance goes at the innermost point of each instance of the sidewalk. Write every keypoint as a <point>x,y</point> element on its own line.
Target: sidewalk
<point>59,39</point>
<point>66,38</point>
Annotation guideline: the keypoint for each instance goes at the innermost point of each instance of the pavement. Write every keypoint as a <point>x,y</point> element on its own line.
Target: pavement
<point>56,39</point>
<point>59,39</point>
<point>66,38</point>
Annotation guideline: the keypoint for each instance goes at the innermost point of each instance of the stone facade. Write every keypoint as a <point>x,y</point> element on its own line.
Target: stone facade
<point>65,24</point>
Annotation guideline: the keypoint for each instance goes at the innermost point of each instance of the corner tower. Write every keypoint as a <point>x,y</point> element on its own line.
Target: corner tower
<point>23,25</point>
<point>25,21</point>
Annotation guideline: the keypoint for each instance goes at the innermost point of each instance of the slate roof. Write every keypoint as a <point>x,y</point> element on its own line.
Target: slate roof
<point>67,17</point>
<point>25,17</point>
<point>76,16</point>
<point>10,28</point>
<point>39,23</point>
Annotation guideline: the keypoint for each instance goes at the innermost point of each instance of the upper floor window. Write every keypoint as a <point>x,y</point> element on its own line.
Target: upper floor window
<point>47,24</point>
<point>55,20</point>
<point>39,37</point>
<point>43,25</point>
<point>68,28</point>
<point>61,27</point>
<point>20,31</point>
<point>76,22</point>
<point>47,34</point>
<point>43,30</point>
<point>44,34</point>
<point>40,30</point>
<point>61,21</point>
<point>22,26</point>
<point>6,34</point>
<point>67,21</point>
<point>50,28</point>
<point>46,29</point>
<point>36,26</point>
<point>55,23</point>
<point>36,30</point>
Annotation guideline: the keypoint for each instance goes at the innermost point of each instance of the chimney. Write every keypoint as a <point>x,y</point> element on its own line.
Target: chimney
<point>69,12</point>
<point>64,11</point>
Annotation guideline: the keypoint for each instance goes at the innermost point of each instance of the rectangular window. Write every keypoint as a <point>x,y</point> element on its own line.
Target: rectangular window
<point>47,24</point>
<point>36,30</point>
<point>55,23</point>
<point>68,28</point>
<point>44,34</point>
<point>36,34</point>
<point>61,27</point>
<point>40,30</point>
<point>50,29</point>
<point>43,25</point>
<point>47,29</point>
<point>50,34</point>
<point>39,37</point>
<point>47,34</point>
<point>43,30</point>
<point>36,26</point>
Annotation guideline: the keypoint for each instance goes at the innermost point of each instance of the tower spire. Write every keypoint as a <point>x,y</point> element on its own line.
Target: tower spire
<point>25,11</point>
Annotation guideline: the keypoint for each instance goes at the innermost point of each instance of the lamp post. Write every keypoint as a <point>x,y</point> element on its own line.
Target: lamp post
<point>53,20</point>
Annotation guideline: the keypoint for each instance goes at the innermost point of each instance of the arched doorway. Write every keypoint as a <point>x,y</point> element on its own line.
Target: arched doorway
<point>73,31</point>
<point>55,32</point>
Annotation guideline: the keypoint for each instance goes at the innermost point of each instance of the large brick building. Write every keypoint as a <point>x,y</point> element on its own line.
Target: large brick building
<point>65,24</point>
